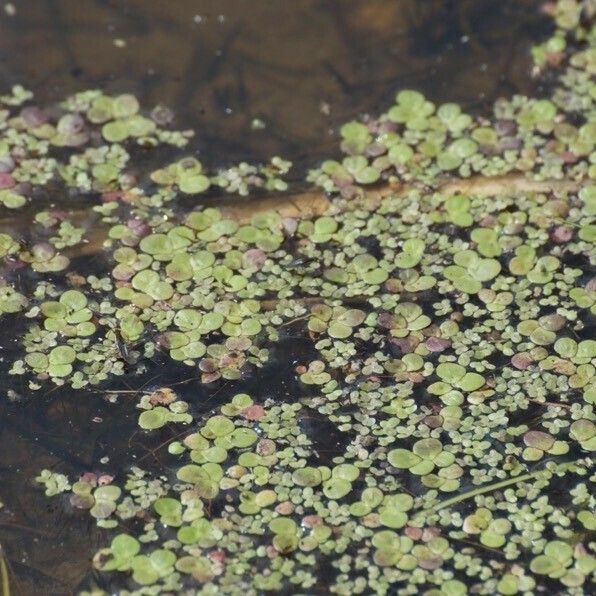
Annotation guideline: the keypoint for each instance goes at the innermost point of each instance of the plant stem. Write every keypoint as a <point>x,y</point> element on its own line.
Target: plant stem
<point>485,489</point>
<point>4,576</point>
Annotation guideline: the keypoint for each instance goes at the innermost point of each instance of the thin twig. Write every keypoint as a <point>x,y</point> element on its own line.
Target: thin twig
<point>314,202</point>
<point>484,489</point>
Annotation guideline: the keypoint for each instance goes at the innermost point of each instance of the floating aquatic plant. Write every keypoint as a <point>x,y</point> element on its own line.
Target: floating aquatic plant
<point>451,372</point>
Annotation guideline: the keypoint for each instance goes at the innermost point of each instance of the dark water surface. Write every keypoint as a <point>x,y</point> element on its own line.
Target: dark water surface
<point>222,63</point>
<point>303,67</point>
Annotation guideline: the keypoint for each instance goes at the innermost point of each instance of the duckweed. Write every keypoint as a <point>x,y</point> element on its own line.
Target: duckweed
<point>451,366</point>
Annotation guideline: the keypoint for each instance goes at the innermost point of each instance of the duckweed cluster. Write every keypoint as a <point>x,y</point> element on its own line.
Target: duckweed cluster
<point>454,357</point>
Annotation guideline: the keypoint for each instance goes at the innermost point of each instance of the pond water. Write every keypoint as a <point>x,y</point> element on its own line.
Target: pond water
<point>302,68</point>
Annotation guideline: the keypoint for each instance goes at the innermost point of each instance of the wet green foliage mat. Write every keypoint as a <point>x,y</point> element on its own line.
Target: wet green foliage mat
<point>404,360</point>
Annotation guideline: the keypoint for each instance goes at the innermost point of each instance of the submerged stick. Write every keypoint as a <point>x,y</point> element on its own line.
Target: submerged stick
<point>314,203</point>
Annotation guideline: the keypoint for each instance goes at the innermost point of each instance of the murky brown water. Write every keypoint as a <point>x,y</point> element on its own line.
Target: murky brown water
<point>221,63</point>
<point>303,67</point>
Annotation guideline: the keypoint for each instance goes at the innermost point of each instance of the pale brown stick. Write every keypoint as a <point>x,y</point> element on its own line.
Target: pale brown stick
<point>314,203</point>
